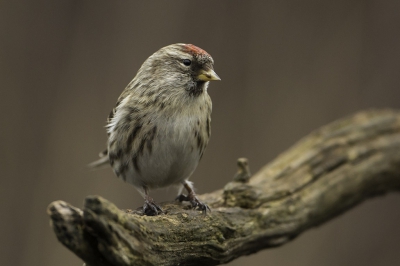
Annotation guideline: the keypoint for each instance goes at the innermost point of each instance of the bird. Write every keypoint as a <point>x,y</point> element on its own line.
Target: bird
<point>161,124</point>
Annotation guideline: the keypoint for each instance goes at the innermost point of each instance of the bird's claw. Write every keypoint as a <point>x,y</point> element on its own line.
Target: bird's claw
<point>150,208</point>
<point>196,203</point>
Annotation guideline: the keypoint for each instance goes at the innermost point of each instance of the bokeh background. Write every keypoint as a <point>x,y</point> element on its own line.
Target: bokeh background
<point>287,68</point>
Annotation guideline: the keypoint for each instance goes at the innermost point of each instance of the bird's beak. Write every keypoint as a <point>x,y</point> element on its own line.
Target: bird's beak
<point>208,75</point>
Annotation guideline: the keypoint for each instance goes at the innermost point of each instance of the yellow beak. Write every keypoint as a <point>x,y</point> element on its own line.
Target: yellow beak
<point>208,75</point>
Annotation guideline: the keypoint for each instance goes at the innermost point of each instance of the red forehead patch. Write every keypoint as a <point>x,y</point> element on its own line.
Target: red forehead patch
<point>195,50</point>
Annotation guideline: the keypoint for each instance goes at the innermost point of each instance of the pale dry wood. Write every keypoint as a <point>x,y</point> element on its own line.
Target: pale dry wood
<point>322,176</point>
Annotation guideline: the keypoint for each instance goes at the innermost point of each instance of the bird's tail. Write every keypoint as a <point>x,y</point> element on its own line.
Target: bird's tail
<point>100,163</point>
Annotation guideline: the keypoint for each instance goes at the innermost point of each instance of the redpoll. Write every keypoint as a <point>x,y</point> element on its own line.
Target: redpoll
<point>160,126</point>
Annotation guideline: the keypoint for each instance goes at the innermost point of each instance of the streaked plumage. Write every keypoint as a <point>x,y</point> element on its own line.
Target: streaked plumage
<point>160,127</point>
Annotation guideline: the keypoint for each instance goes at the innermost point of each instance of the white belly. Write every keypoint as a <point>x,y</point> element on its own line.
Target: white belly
<point>172,160</point>
<point>173,157</point>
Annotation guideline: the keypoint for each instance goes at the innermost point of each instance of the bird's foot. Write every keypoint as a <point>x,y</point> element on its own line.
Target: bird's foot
<point>196,203</point>
<point>150,208</point>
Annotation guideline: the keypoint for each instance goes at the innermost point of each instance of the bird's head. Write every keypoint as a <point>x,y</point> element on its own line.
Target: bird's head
<point>179,68</point>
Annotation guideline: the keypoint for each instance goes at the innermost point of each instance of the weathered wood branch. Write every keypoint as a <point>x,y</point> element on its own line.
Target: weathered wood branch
<point>323,175</point>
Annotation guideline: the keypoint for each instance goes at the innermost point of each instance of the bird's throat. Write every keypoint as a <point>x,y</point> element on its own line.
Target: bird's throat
<point>196,88</point>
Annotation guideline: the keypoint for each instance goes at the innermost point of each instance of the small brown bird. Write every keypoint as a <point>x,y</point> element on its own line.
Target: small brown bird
<point>160,126</point>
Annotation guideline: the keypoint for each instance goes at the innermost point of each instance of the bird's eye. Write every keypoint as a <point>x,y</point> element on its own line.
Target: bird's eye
<point>187,62</point>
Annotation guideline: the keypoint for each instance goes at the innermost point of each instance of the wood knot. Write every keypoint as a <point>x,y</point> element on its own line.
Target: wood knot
<point>239,193</point>
<point>243,174</point>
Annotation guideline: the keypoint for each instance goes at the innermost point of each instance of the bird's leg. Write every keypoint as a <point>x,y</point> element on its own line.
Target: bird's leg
<point>191,197</point>
<point>150,208</point>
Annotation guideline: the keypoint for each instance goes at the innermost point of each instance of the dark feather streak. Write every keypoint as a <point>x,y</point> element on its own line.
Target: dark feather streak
<point>132,136</point>
<point>135,163</point>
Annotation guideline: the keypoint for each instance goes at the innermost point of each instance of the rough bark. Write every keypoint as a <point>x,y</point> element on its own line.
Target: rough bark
<point>322,176</point>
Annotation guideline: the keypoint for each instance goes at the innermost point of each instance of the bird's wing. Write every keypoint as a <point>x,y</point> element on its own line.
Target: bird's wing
<point>120,99</point>
<point>103,161</point>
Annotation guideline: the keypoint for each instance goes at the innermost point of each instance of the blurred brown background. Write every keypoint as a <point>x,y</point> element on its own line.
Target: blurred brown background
<point>287,67</point>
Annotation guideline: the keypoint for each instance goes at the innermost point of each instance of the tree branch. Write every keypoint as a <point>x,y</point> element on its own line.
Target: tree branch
<point>323,175</point>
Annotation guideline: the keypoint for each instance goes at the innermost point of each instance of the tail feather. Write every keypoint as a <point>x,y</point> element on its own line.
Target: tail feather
<point>102,162</point>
